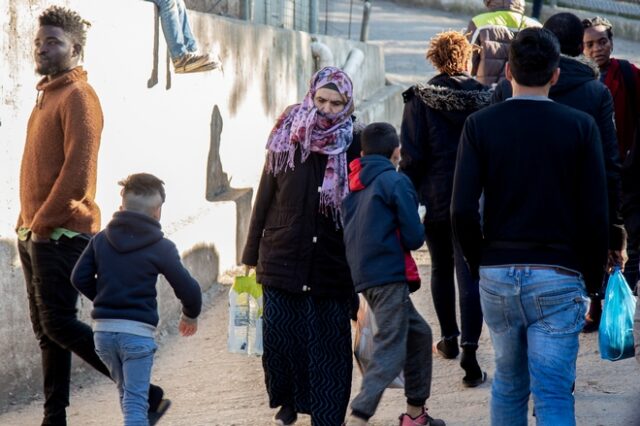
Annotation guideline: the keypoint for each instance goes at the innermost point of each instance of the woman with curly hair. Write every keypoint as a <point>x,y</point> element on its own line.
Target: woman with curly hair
<point>295,241</point>
<point>431,125</point>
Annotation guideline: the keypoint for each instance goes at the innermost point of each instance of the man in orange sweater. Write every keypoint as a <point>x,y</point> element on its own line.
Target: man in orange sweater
<point>57,199</point>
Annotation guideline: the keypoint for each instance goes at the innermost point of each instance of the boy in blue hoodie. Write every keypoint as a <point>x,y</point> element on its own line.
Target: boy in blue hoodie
<point>381,221</point>
<point>118,271</point>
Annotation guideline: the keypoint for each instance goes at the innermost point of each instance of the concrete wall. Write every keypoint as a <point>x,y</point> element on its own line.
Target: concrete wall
<point>203,134</point>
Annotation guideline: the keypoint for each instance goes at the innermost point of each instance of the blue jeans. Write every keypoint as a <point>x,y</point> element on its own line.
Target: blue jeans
<point>535,315</point>
<point>175,26</point>
<point>129,358</point>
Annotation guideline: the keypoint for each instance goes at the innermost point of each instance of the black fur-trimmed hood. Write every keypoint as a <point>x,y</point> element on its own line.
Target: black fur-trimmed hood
<point>449,99</point>
<point>453,93</point>
<point>452,97</point>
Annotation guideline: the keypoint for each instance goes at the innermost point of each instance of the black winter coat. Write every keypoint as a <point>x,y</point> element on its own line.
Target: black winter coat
<point>293,245</point>
<point>579,88</point>
<point>431,125</point>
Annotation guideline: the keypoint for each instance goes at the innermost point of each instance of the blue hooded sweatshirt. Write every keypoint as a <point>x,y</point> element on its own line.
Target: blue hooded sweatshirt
<point>381,222</point>
<point>119,268</point>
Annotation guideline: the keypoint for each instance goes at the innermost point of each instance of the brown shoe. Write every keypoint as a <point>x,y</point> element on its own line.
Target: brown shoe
<point>191,62</point>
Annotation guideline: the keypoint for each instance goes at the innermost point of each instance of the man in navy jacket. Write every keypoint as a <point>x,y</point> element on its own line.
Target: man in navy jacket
<point>544,231</point>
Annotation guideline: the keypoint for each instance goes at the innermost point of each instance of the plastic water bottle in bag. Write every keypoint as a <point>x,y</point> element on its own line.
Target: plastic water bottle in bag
<point>239,319</point>
<point>255,327</point>
<point>245,316</point>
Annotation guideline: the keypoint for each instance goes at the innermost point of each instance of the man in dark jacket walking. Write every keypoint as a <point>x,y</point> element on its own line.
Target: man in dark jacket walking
<point>578,87</point>
<point>544,229</point>
<point>623,80</point>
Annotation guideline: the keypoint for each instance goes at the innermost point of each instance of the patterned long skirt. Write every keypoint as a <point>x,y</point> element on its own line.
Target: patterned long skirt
<point>307,357</point>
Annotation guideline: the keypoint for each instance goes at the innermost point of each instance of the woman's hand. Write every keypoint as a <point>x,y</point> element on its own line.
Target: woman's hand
<point>247,270</point>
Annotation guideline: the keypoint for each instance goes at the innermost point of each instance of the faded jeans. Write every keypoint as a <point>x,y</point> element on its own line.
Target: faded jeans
<point>175,26</point>
<point>129,359</point>
<point>534,314</point>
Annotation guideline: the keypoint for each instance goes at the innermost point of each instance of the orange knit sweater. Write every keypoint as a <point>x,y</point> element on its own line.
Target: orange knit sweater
<point>59,163</point>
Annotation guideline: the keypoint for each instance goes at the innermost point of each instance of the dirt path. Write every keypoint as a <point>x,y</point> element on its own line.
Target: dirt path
<point>209,386</point>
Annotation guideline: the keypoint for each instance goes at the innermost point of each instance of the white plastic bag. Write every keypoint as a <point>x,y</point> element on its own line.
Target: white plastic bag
<point>363,343</point>
<point>245,316</point>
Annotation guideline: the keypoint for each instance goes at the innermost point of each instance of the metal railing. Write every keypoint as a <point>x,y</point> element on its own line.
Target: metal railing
<point>290,14</point>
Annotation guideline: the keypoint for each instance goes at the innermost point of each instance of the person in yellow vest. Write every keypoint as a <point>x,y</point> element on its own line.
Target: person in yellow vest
<point>492,32</point>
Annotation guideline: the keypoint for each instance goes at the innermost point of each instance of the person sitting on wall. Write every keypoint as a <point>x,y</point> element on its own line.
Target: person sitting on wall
<point>180,40</point>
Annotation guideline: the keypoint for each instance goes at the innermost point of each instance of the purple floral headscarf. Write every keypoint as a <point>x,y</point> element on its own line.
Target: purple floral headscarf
<point>331,134</point>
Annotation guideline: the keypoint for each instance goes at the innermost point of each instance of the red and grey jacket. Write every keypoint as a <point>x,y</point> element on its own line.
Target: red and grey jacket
<point>381,224</point>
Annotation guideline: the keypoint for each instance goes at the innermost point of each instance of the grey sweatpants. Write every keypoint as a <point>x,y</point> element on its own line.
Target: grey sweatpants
<point>402,343</point>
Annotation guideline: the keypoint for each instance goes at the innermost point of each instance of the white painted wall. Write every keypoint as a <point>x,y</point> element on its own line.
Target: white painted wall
<point>163,129</point>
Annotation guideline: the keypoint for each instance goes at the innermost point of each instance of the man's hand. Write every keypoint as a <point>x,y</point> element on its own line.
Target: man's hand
<point>616,258</point>
<point>188,326</point>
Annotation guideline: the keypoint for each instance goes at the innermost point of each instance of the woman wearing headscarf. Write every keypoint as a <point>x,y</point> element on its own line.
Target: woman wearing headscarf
<point>431,126</point>
<point>295,243</point>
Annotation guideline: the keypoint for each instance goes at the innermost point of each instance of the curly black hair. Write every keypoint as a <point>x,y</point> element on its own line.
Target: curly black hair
<point>70,22</point>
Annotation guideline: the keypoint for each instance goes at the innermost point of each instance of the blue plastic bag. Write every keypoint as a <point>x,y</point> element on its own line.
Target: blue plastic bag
<point>616,326</point>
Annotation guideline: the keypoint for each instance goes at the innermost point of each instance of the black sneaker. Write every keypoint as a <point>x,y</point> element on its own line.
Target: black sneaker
<point>156,394</point>
<point>448,347</point>
<point>161,409</point>
<point>285,416</point>
<point>474,376</point>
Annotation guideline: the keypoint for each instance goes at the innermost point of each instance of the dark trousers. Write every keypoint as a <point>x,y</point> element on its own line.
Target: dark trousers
<point>632,265</point>
<point>537,8</point>
<point>402,343</point>
<point>445,254</point>
<point>47,269</point>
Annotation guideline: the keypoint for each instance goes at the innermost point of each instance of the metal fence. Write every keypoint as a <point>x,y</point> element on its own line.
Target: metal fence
<point>336,17</point>
<point>344,18</point>
<point>628,8</point>
<point>289,14</point>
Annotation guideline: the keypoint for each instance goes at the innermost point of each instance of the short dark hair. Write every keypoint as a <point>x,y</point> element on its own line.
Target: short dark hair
<point>534,56</point>
<point>142,184</point>
<point>596,21</point>
<point>568,28</point>
<point>379,138</point>
<point>69,21</point>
